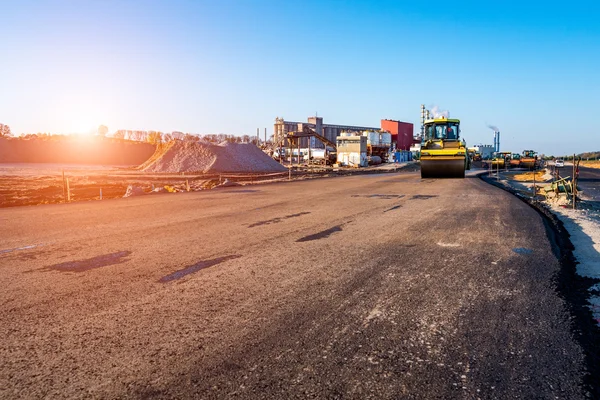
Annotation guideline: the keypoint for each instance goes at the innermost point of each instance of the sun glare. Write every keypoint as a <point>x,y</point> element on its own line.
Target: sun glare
<point>83,127</point>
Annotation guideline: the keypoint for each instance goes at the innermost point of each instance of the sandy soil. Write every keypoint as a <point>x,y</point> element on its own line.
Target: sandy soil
<point>590,164</point>
<point>33,184</point>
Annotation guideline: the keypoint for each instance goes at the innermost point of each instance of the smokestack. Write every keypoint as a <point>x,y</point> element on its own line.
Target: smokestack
<point>422,119</point>
<point>498,140</point>
<point>496,136</point>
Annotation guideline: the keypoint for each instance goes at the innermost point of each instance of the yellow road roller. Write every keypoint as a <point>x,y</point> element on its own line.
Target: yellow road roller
<point>443,154</point>
<point>529,159</point>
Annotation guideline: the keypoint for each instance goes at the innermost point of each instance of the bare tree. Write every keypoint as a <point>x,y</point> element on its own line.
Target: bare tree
<point>102,130</point>
<point>177,135</point>
<point>154,137</point>
<point>5,130</point>
<point>138,135</point>
<point>191,138</point>
<point>120,134</point>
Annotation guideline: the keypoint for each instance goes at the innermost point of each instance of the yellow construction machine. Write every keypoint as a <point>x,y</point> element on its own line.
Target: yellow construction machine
<point>497,161</point>
<point>443,154</point>
<point>529,159</point>
<point>515,161</point>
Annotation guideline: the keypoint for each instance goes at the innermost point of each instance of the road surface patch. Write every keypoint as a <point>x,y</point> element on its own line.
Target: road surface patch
<point>246,191</point>
<point>31,246</point>
<point>321,235</point>
<point>195,268</point>
<point>448,244</point>
<point>423,196</point>
<point>91,263</point>
<point>522,250</point>
<point>278,219</point>
<point>379,196</point>
<point>393,208</point>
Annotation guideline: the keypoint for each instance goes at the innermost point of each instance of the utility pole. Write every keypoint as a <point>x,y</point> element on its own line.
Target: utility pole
<point>574,186</point>
<point>534,185</point>
<point>64,186</point>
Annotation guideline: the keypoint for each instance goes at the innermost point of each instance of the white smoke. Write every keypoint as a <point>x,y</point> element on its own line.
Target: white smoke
<point>437,113</point>
<point>494,128</point>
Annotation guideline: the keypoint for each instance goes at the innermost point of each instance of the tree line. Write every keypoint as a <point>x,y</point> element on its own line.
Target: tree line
<point>152,137</point>
<point>157,137</point>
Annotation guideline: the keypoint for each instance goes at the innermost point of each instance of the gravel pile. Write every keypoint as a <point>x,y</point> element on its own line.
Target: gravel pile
<point>205,157</point>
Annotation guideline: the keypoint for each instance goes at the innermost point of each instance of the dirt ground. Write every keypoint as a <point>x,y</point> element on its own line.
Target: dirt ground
<point>32,184</point>
<point>528,176</point>
<point>590,164</point>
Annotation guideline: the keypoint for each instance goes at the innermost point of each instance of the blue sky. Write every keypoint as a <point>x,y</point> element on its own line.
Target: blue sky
<point>530,68</point>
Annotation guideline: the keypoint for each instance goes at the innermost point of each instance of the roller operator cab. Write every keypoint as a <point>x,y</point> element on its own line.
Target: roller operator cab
<point>443,153</point>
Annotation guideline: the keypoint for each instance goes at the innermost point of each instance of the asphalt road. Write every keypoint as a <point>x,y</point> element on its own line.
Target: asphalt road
<point>589,182</point>
<point>373,286</point>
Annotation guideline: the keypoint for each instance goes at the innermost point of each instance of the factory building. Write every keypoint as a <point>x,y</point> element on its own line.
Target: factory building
<point>486,150</point>
<point>331,132</point>
<point>402,132</point>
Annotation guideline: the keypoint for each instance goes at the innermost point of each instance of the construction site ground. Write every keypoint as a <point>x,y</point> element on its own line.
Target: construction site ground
<point>378,286</point>
<point>32,184</point>
<point>582,222</point>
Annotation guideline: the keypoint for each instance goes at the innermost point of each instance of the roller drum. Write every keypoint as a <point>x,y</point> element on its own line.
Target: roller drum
<point>434,167</point>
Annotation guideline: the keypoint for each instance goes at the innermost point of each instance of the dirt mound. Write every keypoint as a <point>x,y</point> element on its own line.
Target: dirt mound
<point>207,157</point>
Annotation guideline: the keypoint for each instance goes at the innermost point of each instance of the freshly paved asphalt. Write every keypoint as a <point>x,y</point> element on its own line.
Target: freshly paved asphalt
<point>374,286</point>
<point>589,182</point>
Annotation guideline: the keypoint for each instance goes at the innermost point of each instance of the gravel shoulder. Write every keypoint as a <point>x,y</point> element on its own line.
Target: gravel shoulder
<point>577,236</point>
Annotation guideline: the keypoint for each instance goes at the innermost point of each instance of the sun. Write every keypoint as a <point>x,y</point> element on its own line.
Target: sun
<point>83,126</point>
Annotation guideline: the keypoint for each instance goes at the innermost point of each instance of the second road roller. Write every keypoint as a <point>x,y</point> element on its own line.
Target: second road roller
<point>443,154</point>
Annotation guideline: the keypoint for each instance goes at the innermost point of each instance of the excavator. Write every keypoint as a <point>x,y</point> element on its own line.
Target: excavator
<point>443,154</point>
<point>329,157</point>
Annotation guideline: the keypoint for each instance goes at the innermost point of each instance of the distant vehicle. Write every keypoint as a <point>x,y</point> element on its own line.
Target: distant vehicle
<point>559,163</point>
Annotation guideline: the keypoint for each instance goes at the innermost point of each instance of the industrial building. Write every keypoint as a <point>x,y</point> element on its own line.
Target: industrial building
<point>331,132</point>
<point>486,150</point>
<point>352,150</point>
<point>402,132</point>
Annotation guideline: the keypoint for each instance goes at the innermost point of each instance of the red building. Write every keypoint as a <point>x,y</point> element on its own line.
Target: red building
<point>402,132</point>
